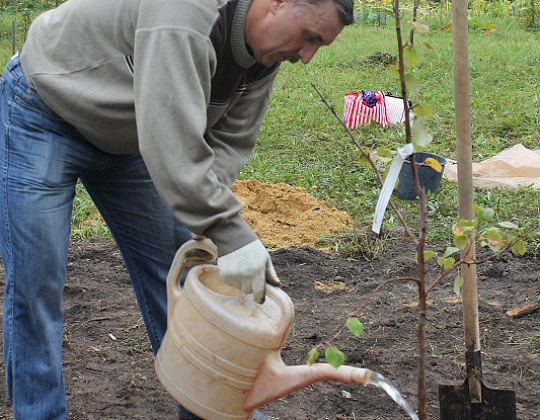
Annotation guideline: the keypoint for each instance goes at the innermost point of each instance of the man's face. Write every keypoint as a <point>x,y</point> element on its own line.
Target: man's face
<point>293,32</point>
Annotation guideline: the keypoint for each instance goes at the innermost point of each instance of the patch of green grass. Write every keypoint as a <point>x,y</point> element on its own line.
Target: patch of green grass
<point>5,51</point>
<point>357,244</point>
<point>302,144</point>
<point>86,220</point>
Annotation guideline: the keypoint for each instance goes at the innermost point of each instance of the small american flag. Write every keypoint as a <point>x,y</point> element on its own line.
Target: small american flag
<point>362,108</point>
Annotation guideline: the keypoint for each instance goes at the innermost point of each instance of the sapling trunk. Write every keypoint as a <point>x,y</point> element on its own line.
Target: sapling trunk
<point>468,260</point>
<point>420,243</point>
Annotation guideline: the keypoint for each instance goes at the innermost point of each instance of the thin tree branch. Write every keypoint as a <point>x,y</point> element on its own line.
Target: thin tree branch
<point>371,295</point>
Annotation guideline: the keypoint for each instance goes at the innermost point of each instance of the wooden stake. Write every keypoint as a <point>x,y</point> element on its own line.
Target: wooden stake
<point>529,308</point>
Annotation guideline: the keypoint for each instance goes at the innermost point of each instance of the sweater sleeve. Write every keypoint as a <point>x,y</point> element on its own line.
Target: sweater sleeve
<point>233,137</point>
<point>192,168</point>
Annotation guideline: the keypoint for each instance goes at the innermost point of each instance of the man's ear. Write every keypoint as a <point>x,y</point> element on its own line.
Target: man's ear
<point>275,5</point>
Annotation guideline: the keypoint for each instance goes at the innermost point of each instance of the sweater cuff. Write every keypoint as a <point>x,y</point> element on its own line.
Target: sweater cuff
<point>231,235</point>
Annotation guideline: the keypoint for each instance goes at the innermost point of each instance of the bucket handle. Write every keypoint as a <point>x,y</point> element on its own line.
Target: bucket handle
<point>187,255</point>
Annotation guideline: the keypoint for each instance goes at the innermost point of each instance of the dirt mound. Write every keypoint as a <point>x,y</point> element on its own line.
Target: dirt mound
<point>285,216</point>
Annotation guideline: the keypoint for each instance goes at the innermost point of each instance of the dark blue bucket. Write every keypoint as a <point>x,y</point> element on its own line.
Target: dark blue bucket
<point>429,178</point>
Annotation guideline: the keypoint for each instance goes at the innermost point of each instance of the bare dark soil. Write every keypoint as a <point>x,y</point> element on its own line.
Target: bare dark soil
<point>108,362</point>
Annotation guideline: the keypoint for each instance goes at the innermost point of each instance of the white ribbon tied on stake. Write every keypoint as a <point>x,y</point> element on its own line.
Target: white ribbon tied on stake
<point>389,184</point>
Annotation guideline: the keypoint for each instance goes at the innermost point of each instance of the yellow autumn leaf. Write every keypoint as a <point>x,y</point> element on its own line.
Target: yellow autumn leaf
<point>458,230</point>
<point>434,164</point>
<point>419,27</point>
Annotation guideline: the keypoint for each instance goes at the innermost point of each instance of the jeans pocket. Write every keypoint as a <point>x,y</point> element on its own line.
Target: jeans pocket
<point>28,97</point>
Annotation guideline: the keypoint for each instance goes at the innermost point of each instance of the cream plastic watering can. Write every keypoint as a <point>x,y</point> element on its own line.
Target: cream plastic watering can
<point>221,355</point>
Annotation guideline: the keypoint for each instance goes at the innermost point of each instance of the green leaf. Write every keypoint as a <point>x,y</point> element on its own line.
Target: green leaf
<point>448,262</point>
<point>494,234</point>
<point>508,225</point>
<point>423,111</point>
<point>484,214</point>
<point>421,138</point>
<point>312,357</point>
<point>410,57</point>
<point>458,284</point>
<point>445,263</point>
<point>461,241</point>
<point>519,249</point>
<point>413,84</point>
<point>384,154</point>
<point>449,251</point>
<point>494,239</point>
<point>467,224</point>
<point>362,161</point>
<point>355,326</point>
<point>334,356</point>
<point>394,71</point>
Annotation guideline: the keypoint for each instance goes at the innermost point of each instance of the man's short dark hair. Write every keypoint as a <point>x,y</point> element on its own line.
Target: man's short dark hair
<point>345,8</point>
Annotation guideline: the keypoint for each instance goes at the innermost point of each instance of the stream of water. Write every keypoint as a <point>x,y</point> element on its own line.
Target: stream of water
<point>381,382</point>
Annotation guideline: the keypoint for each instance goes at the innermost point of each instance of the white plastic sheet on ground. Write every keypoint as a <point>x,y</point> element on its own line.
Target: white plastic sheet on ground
<point>508,169</point>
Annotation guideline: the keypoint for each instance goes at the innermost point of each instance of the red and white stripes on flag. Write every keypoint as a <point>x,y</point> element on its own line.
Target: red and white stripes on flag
<point>357,112</point>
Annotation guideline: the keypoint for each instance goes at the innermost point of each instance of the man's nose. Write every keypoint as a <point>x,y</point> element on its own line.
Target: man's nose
<point>307,52</point>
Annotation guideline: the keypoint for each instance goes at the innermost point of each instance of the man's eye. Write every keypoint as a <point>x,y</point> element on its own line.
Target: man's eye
<point>311,38</point>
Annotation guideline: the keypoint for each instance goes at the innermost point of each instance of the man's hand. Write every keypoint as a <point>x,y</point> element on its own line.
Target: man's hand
<point>249,268</point>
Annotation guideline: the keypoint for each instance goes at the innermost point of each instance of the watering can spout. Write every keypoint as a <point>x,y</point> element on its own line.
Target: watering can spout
<point>275,379</point>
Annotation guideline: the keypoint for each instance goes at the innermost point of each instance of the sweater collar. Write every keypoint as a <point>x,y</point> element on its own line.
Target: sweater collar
<point>238,41</point>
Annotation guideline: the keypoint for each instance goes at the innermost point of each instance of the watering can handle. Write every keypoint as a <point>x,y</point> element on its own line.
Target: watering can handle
<point>187,255</point>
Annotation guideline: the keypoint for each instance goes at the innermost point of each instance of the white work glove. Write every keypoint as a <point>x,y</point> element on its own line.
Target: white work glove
<point>249,268</point>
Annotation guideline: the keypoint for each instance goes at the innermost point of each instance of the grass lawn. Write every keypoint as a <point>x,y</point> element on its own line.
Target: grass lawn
<point>301,143</point>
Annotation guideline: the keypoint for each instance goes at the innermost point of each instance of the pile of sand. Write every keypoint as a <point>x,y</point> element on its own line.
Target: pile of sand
<point>285,216</point>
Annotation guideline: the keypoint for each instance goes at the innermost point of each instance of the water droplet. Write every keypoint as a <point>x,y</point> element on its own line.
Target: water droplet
<point>381,382</point>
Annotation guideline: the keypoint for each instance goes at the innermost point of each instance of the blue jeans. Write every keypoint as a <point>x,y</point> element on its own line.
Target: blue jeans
<point>41,159</point>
